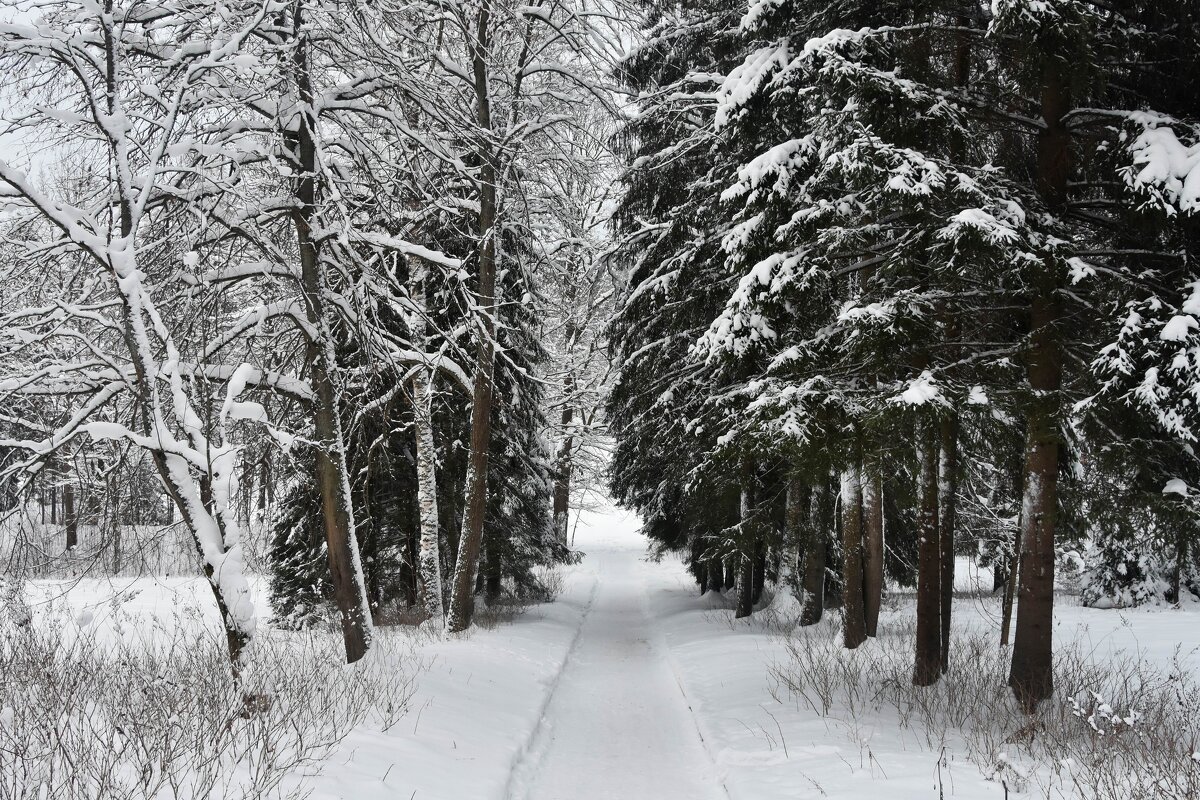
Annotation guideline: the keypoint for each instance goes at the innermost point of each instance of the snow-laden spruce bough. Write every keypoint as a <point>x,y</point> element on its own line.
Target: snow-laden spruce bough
<point>939,252</point>
<point>364,298</point>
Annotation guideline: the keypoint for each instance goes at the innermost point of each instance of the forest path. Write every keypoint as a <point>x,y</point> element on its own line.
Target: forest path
<point>618,724</point>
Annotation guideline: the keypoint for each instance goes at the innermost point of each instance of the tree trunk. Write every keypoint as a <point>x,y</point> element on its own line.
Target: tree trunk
<point>947,511</point>
<point>795,512</point>
<point>148,406</point>
<point>429,562</point>
<point>245,491</point>
<point>467,564</point>
<point>493,582</point>
<point>429,558</point>
<point>760,571</point>
<point>745,586</point>
<point>814,555</point>
<point>927,664</point>
<point>716,575</point>
<point>1031,676</point>
<point>872,503</point>
<point>562,480</point>
<point>235,638</point>
<point>70,518</point>
<point>333,480</point>
<point>1181,556</point>
<point>1013,561</point>
<point>264,483</point>
<point>854,631</point>
<point>746,553</point>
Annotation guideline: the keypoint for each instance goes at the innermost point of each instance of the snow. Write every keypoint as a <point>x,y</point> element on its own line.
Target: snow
<point>1080,270</point>
<point>1166,165</point>
<point>1176,486</point>
<point>745,80</point>
<point>996,230</point>
<point>630,685</point>
<point>756,12</point>
<point>921,390</point>
<point>618,720</point>
<point>1178,328</point>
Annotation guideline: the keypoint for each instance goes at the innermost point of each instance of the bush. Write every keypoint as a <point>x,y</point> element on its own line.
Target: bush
<point>86,717</point>
<point>1117,730</point>
<point>1121,574</point>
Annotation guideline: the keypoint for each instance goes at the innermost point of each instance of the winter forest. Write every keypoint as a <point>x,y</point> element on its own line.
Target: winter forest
<point>579,399</point>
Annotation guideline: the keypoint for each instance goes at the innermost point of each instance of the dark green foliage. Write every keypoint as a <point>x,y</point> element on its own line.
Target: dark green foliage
<point>301,592</point>
<point>381,455</point>
<point>519,536</point>
<point>854,242</point>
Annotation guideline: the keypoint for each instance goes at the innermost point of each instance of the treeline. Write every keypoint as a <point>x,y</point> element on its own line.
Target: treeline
<point>323,268</point>
<point>923,268</point>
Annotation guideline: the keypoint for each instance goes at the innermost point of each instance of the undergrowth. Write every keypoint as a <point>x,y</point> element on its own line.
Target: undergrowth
<point>1117,728</point>
<point>136,714</point>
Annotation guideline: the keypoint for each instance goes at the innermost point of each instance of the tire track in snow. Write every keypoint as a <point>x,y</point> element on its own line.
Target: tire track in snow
<point>661,647</point>
<point>614,726</point>
<point>529,754</point>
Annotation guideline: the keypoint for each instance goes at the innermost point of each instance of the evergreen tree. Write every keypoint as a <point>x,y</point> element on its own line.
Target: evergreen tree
<point>939,212</point>
<point>669,224</point>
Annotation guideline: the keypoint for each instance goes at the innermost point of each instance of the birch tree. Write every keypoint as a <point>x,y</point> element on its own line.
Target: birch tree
<point>123,81</point>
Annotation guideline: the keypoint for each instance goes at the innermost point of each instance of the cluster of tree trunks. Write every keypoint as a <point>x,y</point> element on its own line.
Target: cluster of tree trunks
<point>809,522</point>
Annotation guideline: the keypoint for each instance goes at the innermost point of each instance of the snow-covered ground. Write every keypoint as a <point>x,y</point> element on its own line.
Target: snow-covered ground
<point>629,685</point>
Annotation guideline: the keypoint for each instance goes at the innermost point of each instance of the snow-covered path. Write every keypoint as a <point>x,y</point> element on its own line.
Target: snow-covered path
<point>608,691</point>
<point>618,724</point>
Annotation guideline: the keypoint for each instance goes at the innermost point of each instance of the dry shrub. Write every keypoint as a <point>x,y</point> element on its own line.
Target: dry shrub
<point>1120,728</point>
<point>83,716</point>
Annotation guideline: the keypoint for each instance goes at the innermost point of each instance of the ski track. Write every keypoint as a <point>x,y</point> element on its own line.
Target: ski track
<point>617,723</point>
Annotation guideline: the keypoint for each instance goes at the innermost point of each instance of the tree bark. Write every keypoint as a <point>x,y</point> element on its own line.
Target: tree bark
<point>947,512</point>
<point>70,518</point>
<point>927,664</point>
<point>716,575</point>
<point>264,483</point>
<point>796,505</point>
<point>760,571</point>
<point>467,565</point>
<point>872,502</point>
<point>562,480</point>
<point>333,480</point>
<point>493,582</point>
<point>744,583</point>
<point>814,555</point>
<point>1013,561</point>
<point>235,639</point>
<point>429,570</point>
<point>854,631</point>
<point>1000,569</point>
<point>1031,675</point>
<point>746,553</point>
<point>429,562</point>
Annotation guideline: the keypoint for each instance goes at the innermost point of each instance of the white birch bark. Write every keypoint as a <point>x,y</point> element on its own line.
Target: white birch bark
<point>429,571</point>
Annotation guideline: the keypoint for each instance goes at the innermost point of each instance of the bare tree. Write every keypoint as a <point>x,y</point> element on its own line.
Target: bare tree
<point>97,75</point>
